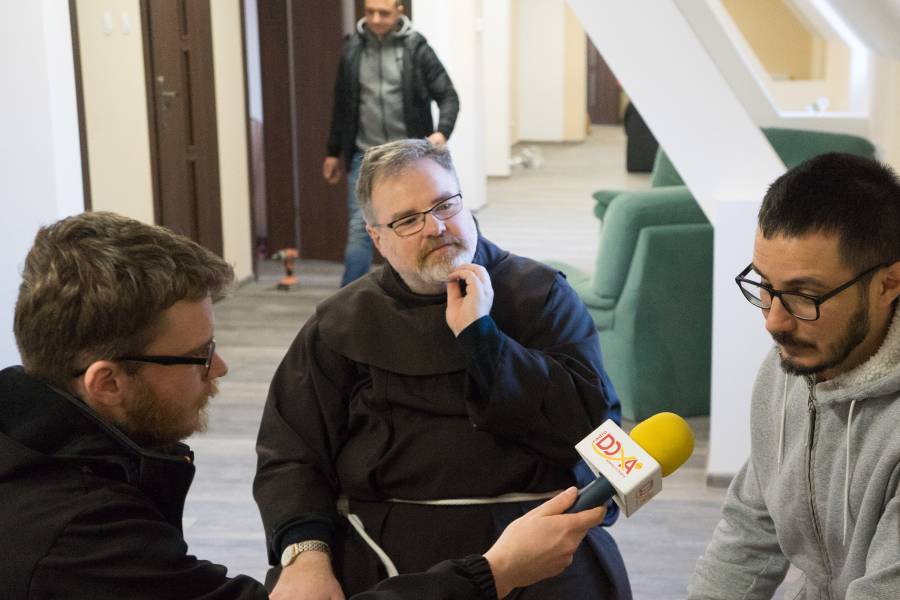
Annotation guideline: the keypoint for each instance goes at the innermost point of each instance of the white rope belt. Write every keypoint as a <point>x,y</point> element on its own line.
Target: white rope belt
<point>343,508</point>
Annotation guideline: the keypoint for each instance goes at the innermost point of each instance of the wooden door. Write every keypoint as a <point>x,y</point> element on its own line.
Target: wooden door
<point>300,47</point>
<point>602,89</point>
<point>181,90</point>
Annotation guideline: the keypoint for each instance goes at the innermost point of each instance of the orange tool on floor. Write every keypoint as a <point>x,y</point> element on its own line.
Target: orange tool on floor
<point>287,256</point>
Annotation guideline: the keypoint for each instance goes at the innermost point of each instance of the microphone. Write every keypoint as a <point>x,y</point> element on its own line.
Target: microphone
<point>630,469</point>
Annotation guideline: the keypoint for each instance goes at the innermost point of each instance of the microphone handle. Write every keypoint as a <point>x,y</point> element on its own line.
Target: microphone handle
<point>596,493</point>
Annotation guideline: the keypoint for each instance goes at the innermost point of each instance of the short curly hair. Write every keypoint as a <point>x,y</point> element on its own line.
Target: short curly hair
<point>94,286</point>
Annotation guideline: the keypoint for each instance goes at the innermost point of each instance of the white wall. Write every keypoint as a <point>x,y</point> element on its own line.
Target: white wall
<point>725,160</point>
<point>39,149</point>
<point>540,78</point>
<point>254,76</point>
<point>497,61</point>
<point>876,22</point>
<point>63,108</point>
<point>454,30</point>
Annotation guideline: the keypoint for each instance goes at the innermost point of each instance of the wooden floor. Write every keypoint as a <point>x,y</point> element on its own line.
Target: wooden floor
<point>544,213</point>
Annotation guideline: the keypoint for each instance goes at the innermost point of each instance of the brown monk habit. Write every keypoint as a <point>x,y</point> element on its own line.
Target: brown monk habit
<point>377,399</point>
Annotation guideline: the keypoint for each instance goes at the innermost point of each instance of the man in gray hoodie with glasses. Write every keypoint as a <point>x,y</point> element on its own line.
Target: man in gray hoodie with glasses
<point>387,79</point>
<point>821,490</point>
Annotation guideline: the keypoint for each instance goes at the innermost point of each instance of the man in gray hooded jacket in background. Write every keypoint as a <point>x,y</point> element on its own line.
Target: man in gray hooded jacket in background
<point>821,490</point>
<point>386,82</point>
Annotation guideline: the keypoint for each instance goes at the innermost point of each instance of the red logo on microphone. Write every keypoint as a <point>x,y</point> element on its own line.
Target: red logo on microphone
<point>607,446</point>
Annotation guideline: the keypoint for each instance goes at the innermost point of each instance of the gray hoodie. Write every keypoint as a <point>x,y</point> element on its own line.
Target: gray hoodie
<point>380,86</point>
<point>820,490</point>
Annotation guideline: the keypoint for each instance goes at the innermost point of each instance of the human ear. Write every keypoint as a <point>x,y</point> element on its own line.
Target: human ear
<point>103,385</point>
<point>890,283</point>
<point>376,237</point>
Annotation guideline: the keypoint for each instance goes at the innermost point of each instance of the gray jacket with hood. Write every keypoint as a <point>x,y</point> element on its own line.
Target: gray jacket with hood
<point>365,90</point>
<point>820,490</point>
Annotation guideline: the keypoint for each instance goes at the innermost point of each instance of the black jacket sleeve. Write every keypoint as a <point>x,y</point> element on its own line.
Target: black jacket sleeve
<point>340,107</point>
<point>124,548</point>
<point>463,579</point>
<point>440,88</point>
<point>546,389</point>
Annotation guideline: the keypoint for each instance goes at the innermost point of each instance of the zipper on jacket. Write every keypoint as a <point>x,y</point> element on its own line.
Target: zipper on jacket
<point>381,89</point>
<point>810,479</point>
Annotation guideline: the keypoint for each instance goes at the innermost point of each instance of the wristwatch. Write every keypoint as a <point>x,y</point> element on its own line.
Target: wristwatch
<point>291,553</point>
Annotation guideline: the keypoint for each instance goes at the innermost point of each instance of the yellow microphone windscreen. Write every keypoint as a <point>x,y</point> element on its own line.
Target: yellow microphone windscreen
<point>667,438</point>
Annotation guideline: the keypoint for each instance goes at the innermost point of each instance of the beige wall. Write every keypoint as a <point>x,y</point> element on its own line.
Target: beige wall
<point>115,106</point>
<point>781,42</point>
<point>513,73</point>
<point>117,124</point>
<point>837,75</point>
<point>231,110</point>
<point>575,81</point>
<point>885,113</point>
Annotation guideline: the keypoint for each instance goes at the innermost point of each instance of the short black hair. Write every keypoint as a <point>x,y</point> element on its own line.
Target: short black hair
<point>855,197</point>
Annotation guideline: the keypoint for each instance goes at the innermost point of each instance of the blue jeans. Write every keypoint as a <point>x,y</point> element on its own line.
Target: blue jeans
<point>358,253</point>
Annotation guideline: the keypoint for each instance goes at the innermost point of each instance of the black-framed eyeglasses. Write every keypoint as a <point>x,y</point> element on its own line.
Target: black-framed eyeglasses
<point>206,360</point>
<point>803,306</point>
<point>414,223</point>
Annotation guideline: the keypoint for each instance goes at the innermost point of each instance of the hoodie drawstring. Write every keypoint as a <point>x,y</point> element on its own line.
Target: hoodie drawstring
<point>847,474</point>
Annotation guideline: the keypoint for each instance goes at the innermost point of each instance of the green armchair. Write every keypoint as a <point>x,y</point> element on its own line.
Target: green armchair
<point>651,300</point>
<point>650,295</point>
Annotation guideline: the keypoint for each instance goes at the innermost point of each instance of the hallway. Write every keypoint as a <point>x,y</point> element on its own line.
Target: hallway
<point>544,213</point>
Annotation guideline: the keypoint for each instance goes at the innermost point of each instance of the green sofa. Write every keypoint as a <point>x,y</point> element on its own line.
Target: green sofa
<point>650,295</point>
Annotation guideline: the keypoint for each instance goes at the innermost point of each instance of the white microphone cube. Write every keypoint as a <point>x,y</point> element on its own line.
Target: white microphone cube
<point>635,475</point>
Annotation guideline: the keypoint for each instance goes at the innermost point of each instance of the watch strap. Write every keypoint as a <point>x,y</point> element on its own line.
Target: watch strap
<point>292,551</point>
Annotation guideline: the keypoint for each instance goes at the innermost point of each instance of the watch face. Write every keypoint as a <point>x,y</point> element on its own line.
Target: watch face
<point>287,557</point>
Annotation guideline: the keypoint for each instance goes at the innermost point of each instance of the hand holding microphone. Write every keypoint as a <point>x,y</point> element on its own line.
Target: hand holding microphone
<point>539,544</point>
<point>630,469</point>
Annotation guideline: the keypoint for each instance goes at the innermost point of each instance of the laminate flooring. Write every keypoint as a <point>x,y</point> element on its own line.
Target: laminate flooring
<point>543,212</point>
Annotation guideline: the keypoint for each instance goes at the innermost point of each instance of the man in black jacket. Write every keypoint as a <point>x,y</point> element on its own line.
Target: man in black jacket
<point>386,82</point>
<point>114,323</point>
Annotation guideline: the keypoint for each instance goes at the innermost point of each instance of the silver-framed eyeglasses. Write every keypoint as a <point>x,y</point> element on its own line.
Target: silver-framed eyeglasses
<point>414,223</point>
<point>206,359</point>
<point>803,306</point>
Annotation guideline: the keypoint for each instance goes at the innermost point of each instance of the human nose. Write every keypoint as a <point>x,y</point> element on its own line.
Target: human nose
<point>218,368</point>
<point>778,319</point>
<point>433,225</point>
